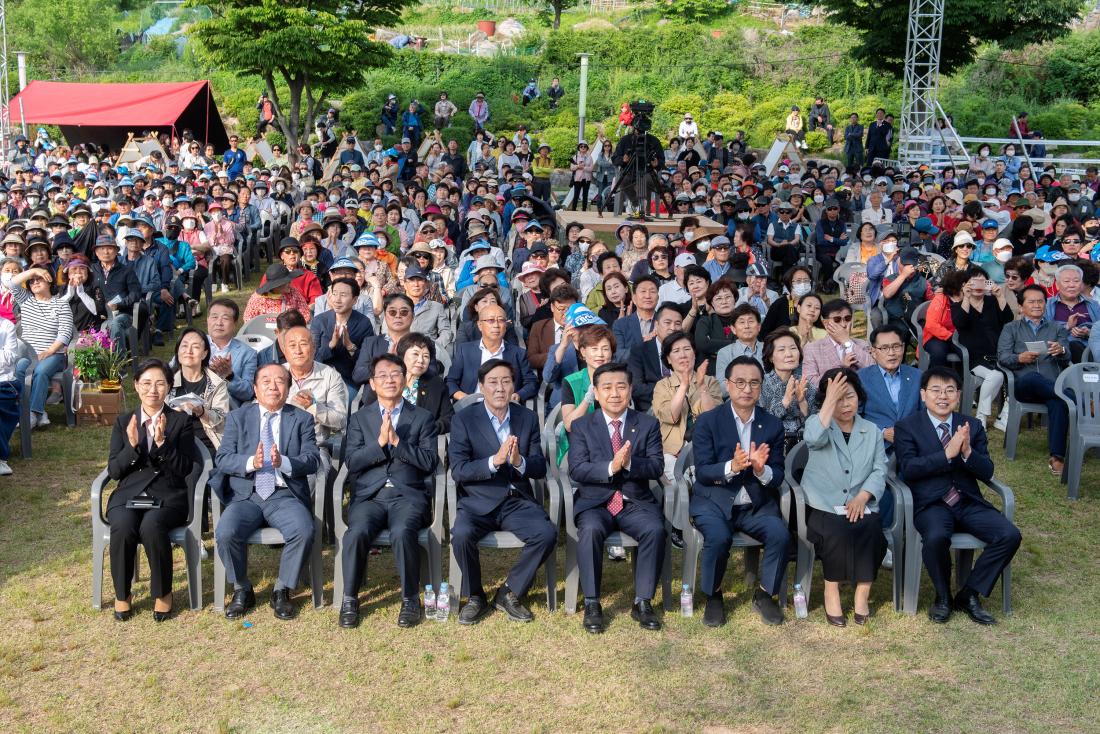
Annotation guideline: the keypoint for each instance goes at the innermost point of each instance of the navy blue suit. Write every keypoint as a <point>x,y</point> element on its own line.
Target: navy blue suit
<point>389,490</point>
<point>628,334</point>
<point>370,348</point>
<point>321,327</point>
<point>289,509</point>
<point>467,361</point>
<point>645,370</point>
<point>924,466</point>
<point>491,499</point>
<point>589,457</point>
<point>880,409</point>
<point>713,511</point>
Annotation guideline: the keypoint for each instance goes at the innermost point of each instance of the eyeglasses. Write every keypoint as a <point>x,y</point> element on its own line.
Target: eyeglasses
<point>946,392</point>
<point>497,322</point>
<point>753,385</point>
<point>964,246</point>
<point>394,312</point>
<point>1071,241</point>
<point>841,319</point>
<point>891,348</point>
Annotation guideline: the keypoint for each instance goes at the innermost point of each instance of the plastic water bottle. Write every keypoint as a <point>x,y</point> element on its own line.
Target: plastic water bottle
<point>429,602</point>
<point>800,607</point>
<point>687,603</point>
<point>443,603</point>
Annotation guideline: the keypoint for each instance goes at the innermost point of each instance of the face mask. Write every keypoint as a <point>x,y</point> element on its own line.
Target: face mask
<point>700,208</point>
<point>334,198</point>
<point>888,248</point>
<point>1003,256</point>
<point>166,203</point>
<point>158,190</point>
<point>3,197</point>
<point>217,216</point>
<point>378,148</point>
<point>584,247</point>
<point>189,224</point>
<point>33,200</point>
<point>801,289</point>
<point>819,199</point>
<point>689,234</point>
<point>703,246</point>
<point>796,178</point>
<point>295,176</point>
<point>743,216</point>
<point>1074,197</point>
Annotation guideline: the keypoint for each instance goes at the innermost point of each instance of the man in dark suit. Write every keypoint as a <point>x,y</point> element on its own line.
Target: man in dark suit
<point>940,455</point>
<point>738,468</point>
<point>464,377</point>
<point>630,331</point>
<point>389,476</point>
<point>268,452</point>
<point>614,454</point>
<point>397,314</point>
<point>893,393</point>
<point>495,453</point>
<point>646,367</point>
<point>338,332</point>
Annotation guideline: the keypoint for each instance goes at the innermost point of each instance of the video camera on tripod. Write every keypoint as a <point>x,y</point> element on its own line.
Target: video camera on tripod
<point>639,156</point>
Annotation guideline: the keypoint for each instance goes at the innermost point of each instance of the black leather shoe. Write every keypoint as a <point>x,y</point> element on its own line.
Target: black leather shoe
<point>972,605</point>
<point>409,616</point>
<point>593,618</point>
<point>714,613</point>
<point>838,621</point>
<point>476,607</point>
<point>162,616</point>
<point>940,611</point>
<point>767,608</point>
<point>643,614</point>
<point>243,600</point>
<point>280,602</point>
<point>677,539</point>
<point>349,614</point>
<point>507,602</point>
<point>124,616</point>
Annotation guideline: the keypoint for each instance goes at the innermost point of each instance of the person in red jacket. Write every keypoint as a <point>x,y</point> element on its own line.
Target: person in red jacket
<point>938,327</point>
<point>290,252</point>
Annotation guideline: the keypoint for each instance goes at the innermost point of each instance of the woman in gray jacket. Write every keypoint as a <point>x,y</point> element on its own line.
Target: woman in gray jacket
<point>844,478</point>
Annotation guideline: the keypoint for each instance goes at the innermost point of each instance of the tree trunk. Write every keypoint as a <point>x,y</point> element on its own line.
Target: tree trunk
<point>557,15</point>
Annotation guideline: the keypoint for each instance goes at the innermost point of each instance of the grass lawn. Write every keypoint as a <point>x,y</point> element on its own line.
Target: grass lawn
<point>67,667</point>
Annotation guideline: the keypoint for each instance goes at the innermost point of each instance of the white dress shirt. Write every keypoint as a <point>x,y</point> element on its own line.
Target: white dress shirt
<point>276,425</point>
<point>487,354</point>
<point>744,432</point>
<point>503,430</point>
<point>622,432</point>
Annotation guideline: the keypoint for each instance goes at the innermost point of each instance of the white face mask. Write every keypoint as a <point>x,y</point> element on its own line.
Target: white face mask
<point>700,208</point>
<point>1003,256</point>
<point>334,198</point>
<point>378,148</point>
<point>796,178</point>
<point>216,216</point>
<point>188,223</point>
<point>689,234</point>
<point>743,216</point>
<point>801,289</point>
<point>166,203</point>
<point>818,199</point>
<point>1074,197</point>
<point>33,200</point>
<point>888,248</point>
<point>703,246</point>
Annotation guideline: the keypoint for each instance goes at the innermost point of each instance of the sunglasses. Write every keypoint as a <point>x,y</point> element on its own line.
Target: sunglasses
<point>841,319</point>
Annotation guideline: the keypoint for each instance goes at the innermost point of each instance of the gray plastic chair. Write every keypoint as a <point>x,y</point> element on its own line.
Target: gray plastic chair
<point>795,464</point>
<point>64,377</point>
<point>1017,409</point>
<point>265,239</point>
<point>258,342</point>
<point>1079,387</point>
<point>188,537</point>
<point>262,325</point>
<point>693,539</point>
<point>970,381</point>
<point>964,545</point>
<point>564,488</point>
<point>504,539</point>
<point>920,314</point>
<point>430,538</point>
<point>271,536</point>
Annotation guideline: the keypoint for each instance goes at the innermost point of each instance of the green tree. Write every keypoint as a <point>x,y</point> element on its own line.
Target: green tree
<point>695,11</point>
<point>882,26</point>
<point>70,36</point>
<point>556,7</point>
<point>313,47</point>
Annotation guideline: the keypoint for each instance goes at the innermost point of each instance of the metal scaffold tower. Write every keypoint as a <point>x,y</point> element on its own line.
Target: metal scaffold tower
<point>5,90</point>
<point>922,74</point>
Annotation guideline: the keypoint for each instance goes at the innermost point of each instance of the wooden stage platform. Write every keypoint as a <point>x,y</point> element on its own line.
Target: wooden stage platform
<point>609,222</point>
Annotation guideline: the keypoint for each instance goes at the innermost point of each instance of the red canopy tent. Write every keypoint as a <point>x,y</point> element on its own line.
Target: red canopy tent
<point>107,113</point>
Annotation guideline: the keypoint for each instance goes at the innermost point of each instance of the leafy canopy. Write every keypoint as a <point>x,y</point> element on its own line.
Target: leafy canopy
<point>882,26</point>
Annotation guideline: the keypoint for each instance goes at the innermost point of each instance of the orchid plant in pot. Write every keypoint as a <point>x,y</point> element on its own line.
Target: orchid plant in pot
<point>98,359</point>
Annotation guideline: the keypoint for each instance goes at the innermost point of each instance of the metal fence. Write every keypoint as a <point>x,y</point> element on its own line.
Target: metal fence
<point>504,7</point>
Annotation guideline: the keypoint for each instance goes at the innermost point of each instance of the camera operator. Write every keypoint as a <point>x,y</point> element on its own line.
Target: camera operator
<point>639,152</point>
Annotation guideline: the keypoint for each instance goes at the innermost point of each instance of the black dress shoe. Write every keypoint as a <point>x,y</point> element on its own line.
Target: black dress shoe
<point>280,602</point>
<point>677,539</point>
<point>409,616</point>
<point>838,621</point>
<point>243,600</point>
<point>476,607</point>
<point>767,608</point>
<point>940,611</point>
<point>507,602</point>
<point>124,616</point>
<point>349,614</point>
<point>972,605</point>
<point>714,613</point>
<point>643,614</point>
<point>593,618</point>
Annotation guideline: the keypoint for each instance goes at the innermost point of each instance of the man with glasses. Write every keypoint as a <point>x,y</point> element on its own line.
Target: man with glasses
<point>941,453</point>
<point>462,380</point>
<point>719,265</point>
<point>738,469</point>
<point>838,348</point>
<point>397,320</point>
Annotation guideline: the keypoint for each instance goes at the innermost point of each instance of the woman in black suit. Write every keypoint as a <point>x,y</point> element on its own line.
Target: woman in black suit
<point>424,388</point>
<point>151,456</point>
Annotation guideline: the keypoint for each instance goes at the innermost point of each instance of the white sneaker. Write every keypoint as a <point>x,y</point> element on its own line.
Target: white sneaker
<point>40,420</point>
<point>5,470</point>
<point>888,559</point>
<point>616,553</point>
<point>224,288</point>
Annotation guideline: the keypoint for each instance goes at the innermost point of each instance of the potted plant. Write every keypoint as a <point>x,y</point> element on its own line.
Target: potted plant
<point>98,360</point>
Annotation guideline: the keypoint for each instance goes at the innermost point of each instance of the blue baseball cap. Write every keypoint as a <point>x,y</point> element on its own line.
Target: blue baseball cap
<point>367,239</point>
<point>580,315</point>
<point>991,224</point>
<point>925,225</point>
<point>343,263</point>
<point>1046,254</point>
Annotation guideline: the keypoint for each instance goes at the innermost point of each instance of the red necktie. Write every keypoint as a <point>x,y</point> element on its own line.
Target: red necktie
<point>615,504</point>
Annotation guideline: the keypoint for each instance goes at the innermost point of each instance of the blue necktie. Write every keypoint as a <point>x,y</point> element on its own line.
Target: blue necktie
<point>265,476</point>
